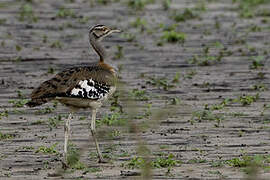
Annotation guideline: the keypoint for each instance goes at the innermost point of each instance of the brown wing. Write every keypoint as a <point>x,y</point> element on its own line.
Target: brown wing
<point>67,80</point>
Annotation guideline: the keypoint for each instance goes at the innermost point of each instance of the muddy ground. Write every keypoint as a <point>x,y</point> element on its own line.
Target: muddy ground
<point>204,100</point>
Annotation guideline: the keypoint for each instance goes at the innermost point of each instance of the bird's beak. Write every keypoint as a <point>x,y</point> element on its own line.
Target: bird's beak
<point>115,31</point>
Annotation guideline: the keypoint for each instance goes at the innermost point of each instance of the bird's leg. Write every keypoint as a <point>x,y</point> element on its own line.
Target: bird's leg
<point>67,134</point>
<point>93,131</point>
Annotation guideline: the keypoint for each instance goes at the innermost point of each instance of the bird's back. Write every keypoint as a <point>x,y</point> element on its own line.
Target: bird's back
<point>89,82</point>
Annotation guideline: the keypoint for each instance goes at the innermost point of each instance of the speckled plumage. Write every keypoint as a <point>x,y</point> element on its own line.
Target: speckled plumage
<point>81,87</point>
<point>64,82</point>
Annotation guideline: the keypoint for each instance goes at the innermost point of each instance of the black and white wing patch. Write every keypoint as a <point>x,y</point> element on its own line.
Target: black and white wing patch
<point>90,89</point>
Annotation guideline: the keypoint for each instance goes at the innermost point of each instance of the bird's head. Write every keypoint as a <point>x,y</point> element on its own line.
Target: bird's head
<point>100,31</point>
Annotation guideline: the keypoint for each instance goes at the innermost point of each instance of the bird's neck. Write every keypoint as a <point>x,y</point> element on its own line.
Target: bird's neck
<point>97,47</point>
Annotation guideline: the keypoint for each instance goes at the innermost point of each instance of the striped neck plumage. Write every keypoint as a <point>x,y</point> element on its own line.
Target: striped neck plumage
<point>97,47</point>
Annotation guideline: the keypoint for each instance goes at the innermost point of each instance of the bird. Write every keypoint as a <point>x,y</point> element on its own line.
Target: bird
<point>85,87</point>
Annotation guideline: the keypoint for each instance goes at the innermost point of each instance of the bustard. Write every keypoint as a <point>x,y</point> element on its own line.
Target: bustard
<point>81,87</point>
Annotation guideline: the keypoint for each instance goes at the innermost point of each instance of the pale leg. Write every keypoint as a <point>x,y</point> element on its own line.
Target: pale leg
<point>67,133</point>
<point>93,131</point>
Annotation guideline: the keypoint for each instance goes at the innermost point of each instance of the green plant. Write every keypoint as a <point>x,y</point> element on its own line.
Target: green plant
<point>37,122</point>
<point>48,150</point>
<point>247,8</point>
<point>259,87</point>
<point>248,99</point>
<point>160,82</point>
<point>18,47</point>
<point>261,75</point>
<point>219,106</point>
<point>255,28</point>
<point>53,122</point>
<point>3,114</point>
<point>264,13</point>
<point>217,163</point>
<point>201,5</point>
<point>207,115</point>
<point>205,60</point>
<point>129,37</point>
<point>64,13</point>
<point>196,160</point>
<point>184,16</point>
<point>104,2</point>
<point>18,103</point>
<point>174,37</point>
<point>265,107</point>
<point>219,45</point>
<point>73,156</point>
<point>112,119</point>
<point>114,133</point>
<point>176,78</point>
<point>6,136</point>
<point>56,44</point>
<point>119,54</point>
<point>165,162</point>
<point>20,94</point>
<point>190,74</point>
<point>139,95</point>
<point>174,101</point>
<point>245,161</point>
<point>51,70</point>
<point>46,110</point>
<point>166,4</point>
<point>25,148</point>
<point>83,20</point>
<point>257,62</point>
<point>2,21</point>
<point>139,4</point>
<point>139,23</point>
<point>26,13</point>
<point>135,162</point>
<point>115,104</point>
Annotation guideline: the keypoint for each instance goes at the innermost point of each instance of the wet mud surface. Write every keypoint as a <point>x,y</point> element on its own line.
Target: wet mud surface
<point>212,90</point>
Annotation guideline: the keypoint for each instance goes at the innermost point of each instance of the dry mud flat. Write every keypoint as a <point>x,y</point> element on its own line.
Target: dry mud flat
<point>201,104</point>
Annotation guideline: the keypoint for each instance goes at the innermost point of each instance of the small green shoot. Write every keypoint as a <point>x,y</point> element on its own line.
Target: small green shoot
<point>112,119</point>
<point>54,122</point>
<point>184,16</point>
<point>257,62</point>
<point>139,95</point>
<point>3,114</point>
<point>73,156</point>
<point>48,150</point>
<point>18,103</point>
<point>166,4</point>
<point>139,23</point>
<point>119,54</point>
<point>64,13</point>
<point>174,37</point>
<point>248,99</point>
<point>160,83</point>
<point>6,136</point>
<point>56,44</point>
<point>160,162</point>
<point>139,4</point>
<point>26,13</point>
